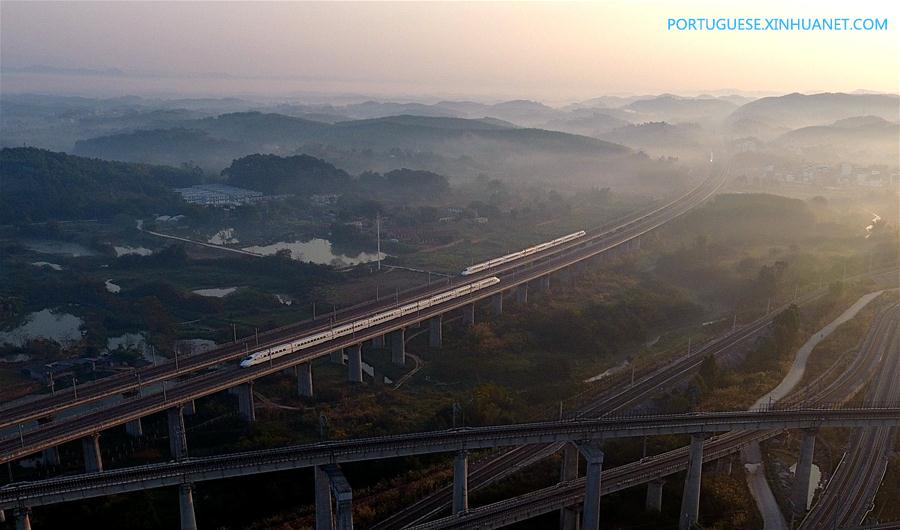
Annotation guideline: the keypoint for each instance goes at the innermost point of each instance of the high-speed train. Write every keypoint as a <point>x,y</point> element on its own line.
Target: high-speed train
<point>352,327</point>
<point>472,269</point>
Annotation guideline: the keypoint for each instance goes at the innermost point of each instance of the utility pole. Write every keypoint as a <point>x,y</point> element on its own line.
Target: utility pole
<point>378,236</point>
<point>234,331</point>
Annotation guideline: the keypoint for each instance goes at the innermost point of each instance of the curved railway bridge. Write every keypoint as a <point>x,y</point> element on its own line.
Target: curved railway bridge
<point>333,491</point>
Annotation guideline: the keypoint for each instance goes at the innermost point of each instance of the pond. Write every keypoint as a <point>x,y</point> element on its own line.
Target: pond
<point>217,292</point>
<point>60,327</point>
<point>223,237</point>
<point>47,264</point>
<point>316,250</point>
<point>137,251</point>
<point>112,287</point>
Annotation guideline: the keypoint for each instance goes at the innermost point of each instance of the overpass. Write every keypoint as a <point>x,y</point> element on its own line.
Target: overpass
<point>328,455</point>
<point>620,398</point>
<point>48,435</point>
<point>513,275</point>
<point>848,381</point>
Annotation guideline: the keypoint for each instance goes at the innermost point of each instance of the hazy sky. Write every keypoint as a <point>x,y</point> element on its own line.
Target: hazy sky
<point>554,52</point>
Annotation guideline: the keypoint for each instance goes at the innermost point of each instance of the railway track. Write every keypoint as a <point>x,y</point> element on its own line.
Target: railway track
<point>850,492</point>
<point>608,236</point>
<point>841,389</point>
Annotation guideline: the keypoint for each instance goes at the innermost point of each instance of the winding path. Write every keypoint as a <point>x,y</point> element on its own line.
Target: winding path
<point>773,519</point>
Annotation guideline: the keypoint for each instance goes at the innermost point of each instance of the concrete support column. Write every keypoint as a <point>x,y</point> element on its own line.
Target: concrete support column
<point>568,516</point>
<point>190,408</point>
<point>304,380</point>
<point>461,482</point>
<point>468,314</point>
<point>91,448</point>
<point>522,294</point>
<point>378,342</point>
<point>186,507</point>
<point>594,457</point>
<point>398,347</point>
<point>245,401</point>
<point>23,519</point>
<point>497,303</point>
<point>336,357</point>
<point>134,428</point>
<point>690,500</point>
<point>354,363</point>
<point>545,282</point>
<point>177,434</point>
<point>800,493</point>
<point>50,457</point>
<point>343,497</point>
<point>2,516</point>
<point>435,338</point>
<point>324,516</point>
<point>654,495</point>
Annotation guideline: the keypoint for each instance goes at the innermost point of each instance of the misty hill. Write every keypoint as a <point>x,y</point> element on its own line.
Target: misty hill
<point>162,146</point>
<point>464,146</point>
<point>40,185</point>
<point>794,111</point>
<point>653,136</point>
<point>862,139</point>
<point>587,122</point>
<point>301,175</point>
<point>678,109</point>
<point>260,129</point>
<point>306,175</point>
<point>459,124</point>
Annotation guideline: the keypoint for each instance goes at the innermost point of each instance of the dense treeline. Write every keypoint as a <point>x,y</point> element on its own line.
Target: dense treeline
<point>40,185</point>
<point>305,175</point>
<point>301,175</point>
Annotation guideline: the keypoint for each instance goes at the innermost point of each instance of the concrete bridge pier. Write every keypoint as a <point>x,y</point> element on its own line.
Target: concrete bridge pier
<point>336,357</point>
<point>468,314</point>
<point>190,408</point>
<point>49,456</point>
<point>186,507</point>
<point>177,433</point>
<point>568,516</point>
<point>398,347</point>
<point>461,482</point>
<point>800,492</point>
<point>246,407</point>
<point>690,500</point>
<point>90,446</point>
<point>497,303</point>
<point>545,283</point>
<point>435,337</point>
<point>134,428</point>
<point>378,342</point>
<point>354,363</point>
<point>23,518</point>
<point>594,457</point>
<point>304,379</point>
<point>654,495</point>
<point>324,515</point>
<point>522,294</point>
<point>343,497</point>
<point>2,516</point>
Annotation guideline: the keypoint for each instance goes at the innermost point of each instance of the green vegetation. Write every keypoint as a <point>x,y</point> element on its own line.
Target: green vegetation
<point>40,185</point>
<point>301,174</point>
